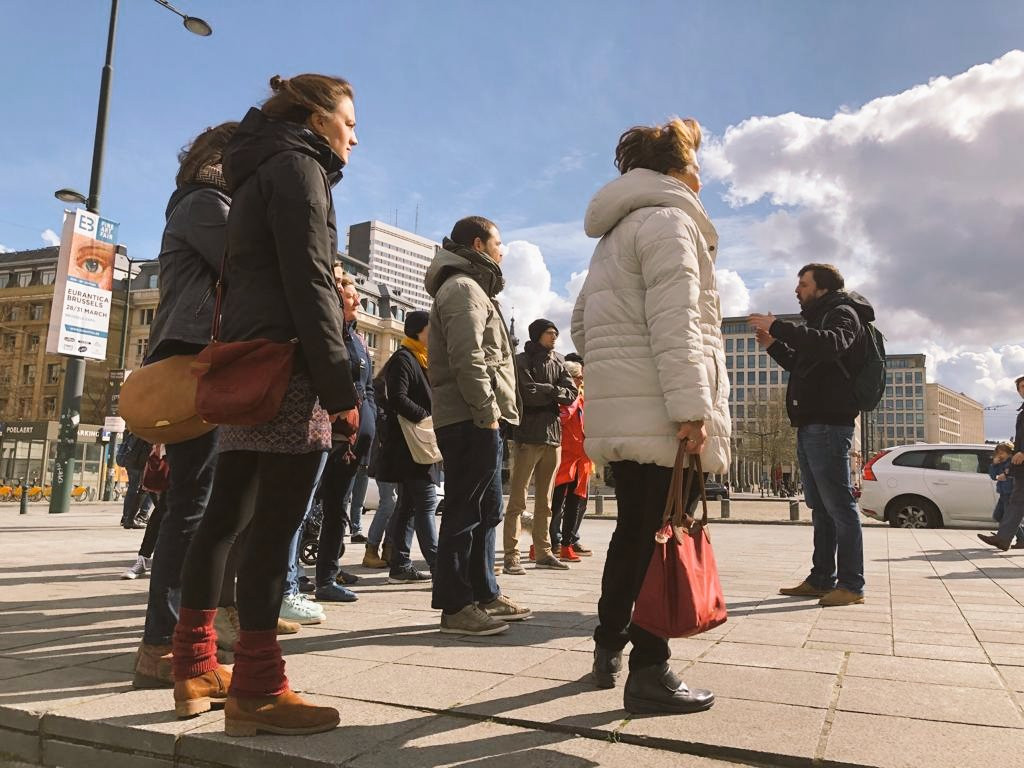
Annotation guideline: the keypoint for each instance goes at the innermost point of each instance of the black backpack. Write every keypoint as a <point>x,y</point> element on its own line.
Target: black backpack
<point>869,379</point>
<point>134,452</point>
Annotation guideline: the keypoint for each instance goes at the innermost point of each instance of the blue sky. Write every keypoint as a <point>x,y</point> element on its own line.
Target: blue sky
<point>510,110</point>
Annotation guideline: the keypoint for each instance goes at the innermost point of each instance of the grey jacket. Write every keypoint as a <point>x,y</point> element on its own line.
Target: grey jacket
<point>190,256</point>
<point>544,384</point>
<point>472,373</point>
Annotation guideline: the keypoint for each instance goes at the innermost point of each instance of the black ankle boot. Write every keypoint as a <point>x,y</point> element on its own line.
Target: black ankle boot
<point>607,665</point>
<point>656,690</point>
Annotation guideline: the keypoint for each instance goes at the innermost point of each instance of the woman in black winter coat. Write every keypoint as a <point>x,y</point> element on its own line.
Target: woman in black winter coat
<point>408,396</point>
<point>281,242</point>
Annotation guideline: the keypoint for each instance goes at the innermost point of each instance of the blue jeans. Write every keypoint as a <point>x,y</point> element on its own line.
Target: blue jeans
<point>291,584</point>
<point>417,502</point>
<point>1014,512</point>
<point>355,499</point>
<point>824,454</point>
<point>192,466</point>
<point>388,501</point>
<point>473,508</point>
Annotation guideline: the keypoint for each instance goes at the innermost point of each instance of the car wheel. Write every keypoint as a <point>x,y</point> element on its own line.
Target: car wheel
<point>914,512</point>
<point>309,551</point>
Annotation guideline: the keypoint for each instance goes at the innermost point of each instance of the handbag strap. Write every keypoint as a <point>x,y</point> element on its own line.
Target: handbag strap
<point>215,327</point>
<point>678,494</point>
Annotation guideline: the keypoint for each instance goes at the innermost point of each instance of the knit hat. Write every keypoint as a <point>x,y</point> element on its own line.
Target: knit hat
<point>574,357</point>
<point>537,327</point>
<point>415,322</point>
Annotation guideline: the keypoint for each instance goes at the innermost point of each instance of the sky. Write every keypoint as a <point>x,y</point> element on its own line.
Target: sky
<point>882,137</point>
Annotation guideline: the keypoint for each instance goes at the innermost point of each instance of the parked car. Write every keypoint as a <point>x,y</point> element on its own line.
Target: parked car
<point>715,490</point>
<point>929,485</point>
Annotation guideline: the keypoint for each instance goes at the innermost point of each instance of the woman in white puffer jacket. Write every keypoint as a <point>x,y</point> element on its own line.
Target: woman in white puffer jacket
<point>648,322</point>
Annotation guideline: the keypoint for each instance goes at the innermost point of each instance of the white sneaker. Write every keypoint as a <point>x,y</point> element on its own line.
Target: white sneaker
<point>295,608</point>
<point>138,568</point>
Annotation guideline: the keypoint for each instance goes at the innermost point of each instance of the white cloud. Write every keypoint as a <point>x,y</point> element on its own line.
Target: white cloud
<point>50,237</point>
<point>5,249</point>
<point>528,294</point>
<point>733,292</point>
<point>915,196</point>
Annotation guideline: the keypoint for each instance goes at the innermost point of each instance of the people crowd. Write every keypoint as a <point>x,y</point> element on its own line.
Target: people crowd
<point>253,216</point>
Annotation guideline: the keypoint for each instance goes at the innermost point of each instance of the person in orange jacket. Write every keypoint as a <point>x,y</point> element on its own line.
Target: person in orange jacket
<point>569,499</point>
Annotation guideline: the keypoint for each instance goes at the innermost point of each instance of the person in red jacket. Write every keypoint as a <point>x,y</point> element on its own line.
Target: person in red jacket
<point>569,499</point>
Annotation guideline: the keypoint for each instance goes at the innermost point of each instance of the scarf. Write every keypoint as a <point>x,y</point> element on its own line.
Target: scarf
<point>418,349</point>
<point>212,175</point>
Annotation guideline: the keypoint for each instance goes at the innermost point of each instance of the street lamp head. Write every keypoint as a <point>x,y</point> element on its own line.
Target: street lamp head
<point>66,195</point>
<point>197,26</point>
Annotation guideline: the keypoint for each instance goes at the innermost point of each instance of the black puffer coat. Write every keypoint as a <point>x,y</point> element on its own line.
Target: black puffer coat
<point>408,395</point>
<point>282,242</point>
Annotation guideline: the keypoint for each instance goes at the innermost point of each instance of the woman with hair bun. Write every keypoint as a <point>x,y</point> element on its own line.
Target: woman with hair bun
<point>280,167</point>
<point>648,323</point>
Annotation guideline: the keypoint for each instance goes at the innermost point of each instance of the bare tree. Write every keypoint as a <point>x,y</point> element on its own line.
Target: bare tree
<point>767,436</point>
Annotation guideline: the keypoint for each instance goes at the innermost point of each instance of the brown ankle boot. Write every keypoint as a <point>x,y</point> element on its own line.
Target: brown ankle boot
<point>285,714</point>
<point>153,667</point>
<point>200,694</point>
<point>372,559</point>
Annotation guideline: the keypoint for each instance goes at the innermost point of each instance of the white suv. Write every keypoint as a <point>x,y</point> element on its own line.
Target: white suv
<point>929,485</point>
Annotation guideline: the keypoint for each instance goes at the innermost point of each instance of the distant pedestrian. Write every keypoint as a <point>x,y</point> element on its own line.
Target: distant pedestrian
<point>543,385</point>
<point>823,356</point>
<point>473,385</point>
<point>572,481</point>
<point>1013,513</point>
<point>137,504</point>
<point>648,323</point>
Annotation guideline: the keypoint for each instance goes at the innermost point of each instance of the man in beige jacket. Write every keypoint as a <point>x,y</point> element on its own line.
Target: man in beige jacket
<point>473,383</point>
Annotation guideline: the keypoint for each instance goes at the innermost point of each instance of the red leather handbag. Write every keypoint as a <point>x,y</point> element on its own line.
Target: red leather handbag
<point>241,382</point>
<point>681,594</point>
<point>156,476</point>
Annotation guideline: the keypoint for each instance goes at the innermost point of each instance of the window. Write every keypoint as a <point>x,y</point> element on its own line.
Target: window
<point>919,390</point>
<point>153,282</point>
<point>888,378</point>
<point>751,361</point>
<point>5,279</point>
<point>146,316</point>
<point>371,340</point>
<point>919,418</point>
<point>918,404</point>
<point>49,406</point>
<point>728,346</point>
<point>739,361</point>
<point>141,348</point>
<point>48,277</point>
<point>28,374</point>
<point>25,407</point>
<point>36,311</point>
<point>890,432</point>
<point>899,405</point>
<point>918,377</point>
<point>762,361</point>
<point>920,433</point>
<point>899,377</point>
<point>899,418</point>
<point>740,410</point>
<point>899,391</point>
<point>913,459</point>
<point>52,373</point>
<point>773,377</point>
<point>33,342</point>
<point>763,393</point>
<point>740,395</point>
<point>15,313</point>
<point>785,377</point>
<point>728,361</point>
<point>762,377</point>
<point>24,279</point>
<point>958,461</point>
<point>9,341</point>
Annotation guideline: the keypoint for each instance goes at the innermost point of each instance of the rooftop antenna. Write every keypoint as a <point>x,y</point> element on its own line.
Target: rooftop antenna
<point>416,224</point>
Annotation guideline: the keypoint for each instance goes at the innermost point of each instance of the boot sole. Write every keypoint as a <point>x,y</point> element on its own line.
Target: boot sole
<point>840,605</point>
<point>475,633</point>
<point>515,572</point>
<point>306,622</point>
<point>194,707</point>
<point>645,707</point>
<point>248,728</point>
<point>802,594</point>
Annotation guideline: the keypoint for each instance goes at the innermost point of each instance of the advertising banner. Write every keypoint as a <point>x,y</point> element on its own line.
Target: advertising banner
<point>80,316</point>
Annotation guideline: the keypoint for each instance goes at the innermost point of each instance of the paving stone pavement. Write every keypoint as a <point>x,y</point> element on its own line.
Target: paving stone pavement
<point>929,672</point>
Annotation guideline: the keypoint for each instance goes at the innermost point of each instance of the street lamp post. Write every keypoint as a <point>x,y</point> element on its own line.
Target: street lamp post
<point>74,377</point>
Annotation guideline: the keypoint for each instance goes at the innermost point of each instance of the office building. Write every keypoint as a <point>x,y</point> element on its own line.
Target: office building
<point>952,417</point>
<point>396,258</point>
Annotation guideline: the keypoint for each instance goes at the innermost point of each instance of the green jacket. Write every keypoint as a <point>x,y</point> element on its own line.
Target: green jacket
<point>472,369</point>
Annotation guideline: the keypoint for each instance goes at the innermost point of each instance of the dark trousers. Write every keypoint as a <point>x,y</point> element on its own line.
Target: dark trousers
<point>136,500</point>
<point>566,515</point>
<point>335,484</point>
<point>417,502</point>
<point>153,525</point>
<point>1014,512</point>
<point>192,466</point>
<point>266,493</point>
<point>464,572</point>
<point>641,491</point>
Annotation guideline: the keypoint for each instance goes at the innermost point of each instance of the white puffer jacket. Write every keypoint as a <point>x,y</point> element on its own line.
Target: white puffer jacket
<point>648,321</point>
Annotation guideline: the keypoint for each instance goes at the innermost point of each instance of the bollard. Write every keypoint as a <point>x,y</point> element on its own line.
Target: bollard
<point>23,508</point>
<point>599,505</point>
<point>794,509</point>
<point>725,509</point>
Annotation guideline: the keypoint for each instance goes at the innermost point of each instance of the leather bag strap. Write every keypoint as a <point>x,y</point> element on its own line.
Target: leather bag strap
<point>675,504</point>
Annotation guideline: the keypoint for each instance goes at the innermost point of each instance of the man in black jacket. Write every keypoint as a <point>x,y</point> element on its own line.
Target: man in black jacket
<point>1014,513</point>
<point>822,358</point>
<point>543,384</point>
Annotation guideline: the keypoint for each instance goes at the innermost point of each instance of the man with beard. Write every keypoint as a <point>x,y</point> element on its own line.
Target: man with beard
<point>823,358</point>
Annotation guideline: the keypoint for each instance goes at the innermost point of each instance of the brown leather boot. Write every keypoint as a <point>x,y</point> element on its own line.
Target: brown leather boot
<point>372,559</point>
<point>200,694</point>
<point>286,714</point>
<point>285,627</point>
<point>153,667</point>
